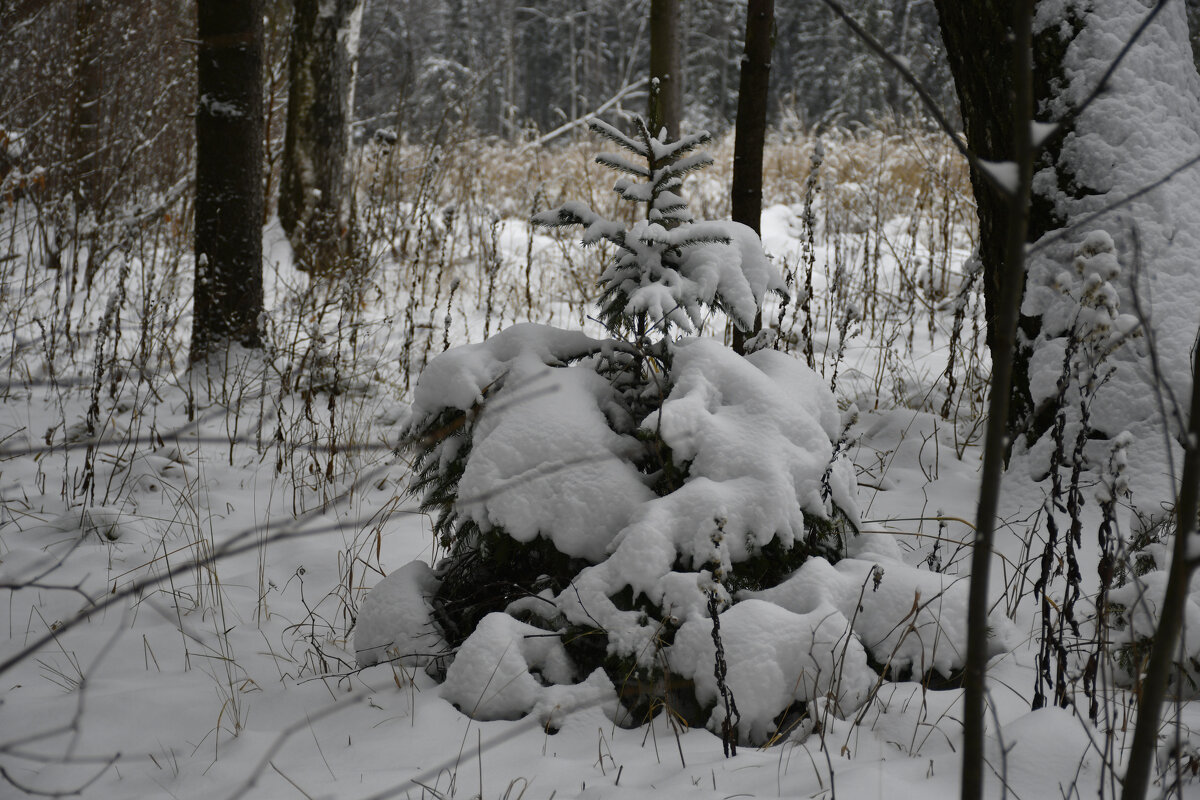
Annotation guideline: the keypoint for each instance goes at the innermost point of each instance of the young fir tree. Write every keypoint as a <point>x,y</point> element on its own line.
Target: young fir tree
<point>611,490</point>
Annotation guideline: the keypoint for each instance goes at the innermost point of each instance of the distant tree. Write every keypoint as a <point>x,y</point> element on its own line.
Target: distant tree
<point>315,203</point>
<point>666,100</point>
<point>229,157</point>
<point>85,117</point>
<point>750,134</point>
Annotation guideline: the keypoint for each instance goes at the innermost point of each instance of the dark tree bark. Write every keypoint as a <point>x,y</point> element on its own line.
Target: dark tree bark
<point>1011,281</point>
<point>315,207</point>
<point>978,39</point>
<point>750,132</point>
<point>85,120</point>
<point>229,156</point>
<point>666,99</point>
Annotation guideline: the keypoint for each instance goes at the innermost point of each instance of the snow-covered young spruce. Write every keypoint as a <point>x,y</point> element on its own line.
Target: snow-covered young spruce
<point>600,499</point>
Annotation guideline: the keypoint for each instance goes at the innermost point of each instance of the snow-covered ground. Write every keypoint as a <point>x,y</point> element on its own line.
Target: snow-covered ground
<point>181,598</point>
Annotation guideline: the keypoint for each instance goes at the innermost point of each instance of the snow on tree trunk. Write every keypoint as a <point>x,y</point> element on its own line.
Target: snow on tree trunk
<point>1145,123</point>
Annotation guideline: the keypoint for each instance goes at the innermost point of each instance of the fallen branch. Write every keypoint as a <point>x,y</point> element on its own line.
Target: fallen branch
<point>567,126</point>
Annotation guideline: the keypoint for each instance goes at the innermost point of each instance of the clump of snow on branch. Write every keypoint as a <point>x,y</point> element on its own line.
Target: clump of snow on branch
<point>544,461</point>
<point>493,675</point>
<point>757,434</point>
<point>906,617</point>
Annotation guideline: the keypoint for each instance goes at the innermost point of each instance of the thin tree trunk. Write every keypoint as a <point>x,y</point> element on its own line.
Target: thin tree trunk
<point>229,157</point>
<point>750,131</point>
<point>996,436</point>
<point>89,83</point>
<point>666,92</point>
<point>1166,636</point>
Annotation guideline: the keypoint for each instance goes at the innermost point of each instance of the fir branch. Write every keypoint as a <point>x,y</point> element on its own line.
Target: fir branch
<point>619,164</point>
<point>700,238</point>
<point>595,226</point>
<point>691,163</point>
<point>607,131</point>
<point>572,212</point>
<point>673,150</point>
<point>633,191</point>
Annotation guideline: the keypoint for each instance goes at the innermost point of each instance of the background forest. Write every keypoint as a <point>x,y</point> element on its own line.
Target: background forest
<point>333,462</point>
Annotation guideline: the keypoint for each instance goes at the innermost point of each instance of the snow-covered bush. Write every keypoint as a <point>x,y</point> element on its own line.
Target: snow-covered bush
<point>1135,607</point>
<point>595,497</point>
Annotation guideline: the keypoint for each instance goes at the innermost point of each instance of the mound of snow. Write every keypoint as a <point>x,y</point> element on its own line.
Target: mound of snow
<point>507,669</point>
<point>394,623</point>
<point>774,658</point>
<point>906,617</point>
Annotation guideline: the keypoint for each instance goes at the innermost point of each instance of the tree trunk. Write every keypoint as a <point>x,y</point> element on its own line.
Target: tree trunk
<point>315,203</point>
<point>229,157</point>
<point>86,105</point>
<point>1104,154</point>
<point>1115,90</point>
<point>978,37</point>
<point>750,132</point>
<point>666,91</point>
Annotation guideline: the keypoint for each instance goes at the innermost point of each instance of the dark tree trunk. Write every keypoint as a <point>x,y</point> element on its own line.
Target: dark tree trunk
<point>978,39</point>
<point>229,156</point>
<point>315,206</point>
<point>666,99</point>
<point>750,131</point>
<point>89,80</point>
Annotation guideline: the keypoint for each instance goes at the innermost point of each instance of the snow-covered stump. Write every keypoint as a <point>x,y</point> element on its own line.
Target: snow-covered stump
<point>635,517</point>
